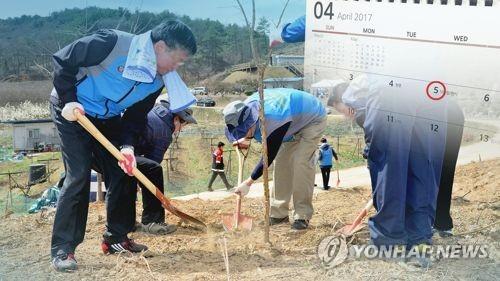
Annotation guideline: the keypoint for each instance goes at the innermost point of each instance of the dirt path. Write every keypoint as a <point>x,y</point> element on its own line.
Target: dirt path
<point>359,176</point>
<point>484,150</point>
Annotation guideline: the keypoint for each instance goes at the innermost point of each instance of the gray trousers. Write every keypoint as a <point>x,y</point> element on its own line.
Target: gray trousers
<point>294,173</point>
<point>222,176</point>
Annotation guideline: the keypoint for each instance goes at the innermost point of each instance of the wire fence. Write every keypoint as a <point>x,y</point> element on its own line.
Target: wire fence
<point>348,148</point>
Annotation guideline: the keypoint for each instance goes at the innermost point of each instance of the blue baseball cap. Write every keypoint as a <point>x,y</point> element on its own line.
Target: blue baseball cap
<point>239,118</point>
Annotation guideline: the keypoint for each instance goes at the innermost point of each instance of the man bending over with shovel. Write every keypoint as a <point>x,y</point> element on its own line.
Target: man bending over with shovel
<point>105,75</point>
<point>295,121</point>
<point>404,156</point>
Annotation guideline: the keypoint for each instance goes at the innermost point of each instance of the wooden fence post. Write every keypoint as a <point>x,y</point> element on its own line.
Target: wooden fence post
<point>338,144</point>
<point>100,195</point>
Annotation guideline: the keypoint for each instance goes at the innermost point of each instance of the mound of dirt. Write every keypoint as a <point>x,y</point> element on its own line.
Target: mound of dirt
<point>194,254</point>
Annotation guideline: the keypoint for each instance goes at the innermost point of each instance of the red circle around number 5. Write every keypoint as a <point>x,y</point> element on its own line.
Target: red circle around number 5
<point>437,84</point>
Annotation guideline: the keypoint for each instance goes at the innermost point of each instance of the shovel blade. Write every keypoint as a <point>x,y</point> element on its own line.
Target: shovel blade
<point>228,221</point>
<point>244,222</point>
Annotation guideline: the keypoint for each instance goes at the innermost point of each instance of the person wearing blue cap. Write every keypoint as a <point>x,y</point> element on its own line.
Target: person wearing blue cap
<point>295,121</point>
<point>162,124</point>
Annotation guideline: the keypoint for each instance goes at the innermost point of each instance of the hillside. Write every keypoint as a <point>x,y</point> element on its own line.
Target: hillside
<point>29,41</point>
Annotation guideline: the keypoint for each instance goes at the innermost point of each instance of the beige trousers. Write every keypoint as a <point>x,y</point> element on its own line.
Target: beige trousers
<point>294,173</point>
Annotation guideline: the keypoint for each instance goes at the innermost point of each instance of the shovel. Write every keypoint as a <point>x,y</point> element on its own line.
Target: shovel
<point>350,229</point>
<point>89,127</point>
<point>338,177</point>
<point>234,221</point>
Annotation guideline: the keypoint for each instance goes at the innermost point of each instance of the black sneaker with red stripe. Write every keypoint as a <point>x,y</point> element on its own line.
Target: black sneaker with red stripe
<point>128,245</point>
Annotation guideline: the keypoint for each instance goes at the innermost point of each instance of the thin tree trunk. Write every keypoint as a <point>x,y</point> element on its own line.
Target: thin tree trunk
<point>265,169</point>
<point>261,69</point>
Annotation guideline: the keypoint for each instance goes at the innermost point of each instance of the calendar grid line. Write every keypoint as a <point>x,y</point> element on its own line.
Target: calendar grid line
<point>402,77</point>
<point>406,39</point>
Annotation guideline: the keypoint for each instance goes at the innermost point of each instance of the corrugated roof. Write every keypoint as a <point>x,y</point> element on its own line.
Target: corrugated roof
<point>34,121</point>
<point>284,79</point>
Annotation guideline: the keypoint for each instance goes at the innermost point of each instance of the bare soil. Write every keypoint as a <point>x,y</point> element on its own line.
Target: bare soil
<point>193,254</point>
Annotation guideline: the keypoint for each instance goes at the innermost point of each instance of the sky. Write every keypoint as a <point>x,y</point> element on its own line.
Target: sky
<point>226,11</point>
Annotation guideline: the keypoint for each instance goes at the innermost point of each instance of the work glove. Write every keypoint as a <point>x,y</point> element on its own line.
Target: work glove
<point>242,143</point>
<point>128,164</point>
<point>242,189</point>
<point>68,111</point>
<point>275,37</point>
<point>275,43</point>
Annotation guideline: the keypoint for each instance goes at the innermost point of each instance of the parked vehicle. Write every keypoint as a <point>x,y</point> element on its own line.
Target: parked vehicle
<point>199,91</point>
<point>205,102</point>
<point>44,147</point>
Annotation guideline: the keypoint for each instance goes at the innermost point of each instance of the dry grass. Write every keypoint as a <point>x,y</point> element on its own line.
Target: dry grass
<point>24,100</point>
<point>18,92</point>
<point>25,110</point>
<point>192,254</point>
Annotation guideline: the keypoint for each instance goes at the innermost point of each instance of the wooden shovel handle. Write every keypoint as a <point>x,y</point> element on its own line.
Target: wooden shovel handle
<point>89,127</point>
<point>362,214</point>
<point>338,176</point>
<point>238,210</point>
<point>241,162</point>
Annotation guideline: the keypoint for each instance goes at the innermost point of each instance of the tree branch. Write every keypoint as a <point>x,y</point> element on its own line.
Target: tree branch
<point>261,68</point>
<point>45,70</point>
<point>282,13</point>
<point>243,12</point>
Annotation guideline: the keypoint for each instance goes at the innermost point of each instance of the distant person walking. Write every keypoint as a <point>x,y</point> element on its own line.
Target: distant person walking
<point>326,154</point>
<point>218,167</point>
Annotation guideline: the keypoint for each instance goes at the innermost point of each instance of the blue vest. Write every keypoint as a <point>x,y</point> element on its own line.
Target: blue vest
<point>326,155</point>
<point>288,105</point>
<point>103,91</point>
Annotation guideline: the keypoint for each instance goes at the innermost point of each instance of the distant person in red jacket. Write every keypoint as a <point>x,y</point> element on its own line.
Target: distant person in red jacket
<point>218,167</point>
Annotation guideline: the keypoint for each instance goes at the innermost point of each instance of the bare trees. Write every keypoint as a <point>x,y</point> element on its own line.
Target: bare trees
<point>261,68</point>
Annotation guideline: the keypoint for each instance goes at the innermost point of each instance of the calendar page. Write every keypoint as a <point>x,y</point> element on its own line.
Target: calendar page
<point>436,50</point>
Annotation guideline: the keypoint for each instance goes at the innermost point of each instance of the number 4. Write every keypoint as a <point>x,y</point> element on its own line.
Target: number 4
<point>329,10</point>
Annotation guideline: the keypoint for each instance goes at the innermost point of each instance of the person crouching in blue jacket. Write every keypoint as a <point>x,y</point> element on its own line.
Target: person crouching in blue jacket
<point>155,140</point>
